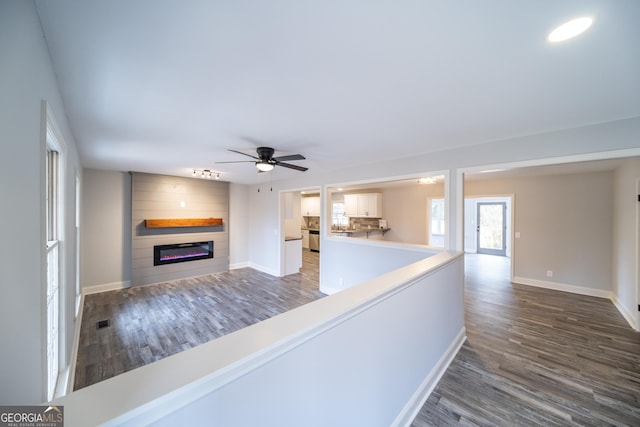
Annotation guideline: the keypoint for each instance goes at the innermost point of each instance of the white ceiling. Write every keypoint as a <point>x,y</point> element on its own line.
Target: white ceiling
<point>167,86</point>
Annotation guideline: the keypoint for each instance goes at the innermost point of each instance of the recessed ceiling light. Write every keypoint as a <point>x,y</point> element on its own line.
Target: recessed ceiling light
<point>570,29</point>
<point>427,180</point>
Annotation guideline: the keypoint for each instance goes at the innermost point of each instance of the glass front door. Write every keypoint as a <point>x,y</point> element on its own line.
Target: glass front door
<point>491,229</point>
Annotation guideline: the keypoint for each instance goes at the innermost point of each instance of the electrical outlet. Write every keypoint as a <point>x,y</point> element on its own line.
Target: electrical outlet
<point>549,273</point>
<point>517,234</point>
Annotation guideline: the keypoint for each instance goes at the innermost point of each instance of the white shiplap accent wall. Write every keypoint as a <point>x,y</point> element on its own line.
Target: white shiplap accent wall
<point>161,197</point>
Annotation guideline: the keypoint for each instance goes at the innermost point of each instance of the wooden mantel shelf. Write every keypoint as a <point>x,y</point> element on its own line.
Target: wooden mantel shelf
<point>182,222</point>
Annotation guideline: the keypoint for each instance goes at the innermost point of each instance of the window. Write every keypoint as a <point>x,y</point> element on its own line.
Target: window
<point>436,223</point>
<point>53,270</point>
<point>54,224</point>
<point>78,292</point>
<point>338,217</point>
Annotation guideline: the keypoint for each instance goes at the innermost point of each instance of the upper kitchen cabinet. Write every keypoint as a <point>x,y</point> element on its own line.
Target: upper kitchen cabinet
<point>365,205</point>
<point>311,206</point>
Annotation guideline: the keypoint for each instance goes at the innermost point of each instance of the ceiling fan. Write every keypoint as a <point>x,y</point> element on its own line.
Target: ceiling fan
<point>266,162</point>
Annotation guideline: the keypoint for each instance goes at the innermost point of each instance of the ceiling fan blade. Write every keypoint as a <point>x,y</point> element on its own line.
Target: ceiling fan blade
<point>290,166</point>
<point>245,154</point>
<point>236,161</point>
<point>290,157</point>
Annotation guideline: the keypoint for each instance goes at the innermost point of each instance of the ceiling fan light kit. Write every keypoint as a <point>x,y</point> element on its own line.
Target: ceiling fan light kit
<point>264,166</point>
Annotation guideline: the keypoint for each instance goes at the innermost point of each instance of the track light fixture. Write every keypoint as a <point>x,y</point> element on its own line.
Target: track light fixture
<point>206,173</point>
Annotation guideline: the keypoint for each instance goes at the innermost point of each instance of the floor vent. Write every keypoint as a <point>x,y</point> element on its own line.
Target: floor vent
<point>103,324</point>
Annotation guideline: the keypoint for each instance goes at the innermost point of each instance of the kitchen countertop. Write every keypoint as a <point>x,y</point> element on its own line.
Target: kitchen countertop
<point>360,230</point>
<point>289,238</point>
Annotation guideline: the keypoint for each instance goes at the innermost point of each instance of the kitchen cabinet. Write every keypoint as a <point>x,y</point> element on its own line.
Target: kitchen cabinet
<point>293,255</point>
<point>305,239</point>
<point>310,206</point>
<point>351,205</point>
<point>365,205</point>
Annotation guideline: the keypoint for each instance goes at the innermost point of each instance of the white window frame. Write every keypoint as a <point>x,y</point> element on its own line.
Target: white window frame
<point>53,309</point>
<point>442,220</point>
<point>338,217</point>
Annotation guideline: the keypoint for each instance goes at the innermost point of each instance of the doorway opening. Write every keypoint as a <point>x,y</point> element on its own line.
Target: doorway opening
<point>491,228</point>
<point>301,213</point>
<point>487,225</point>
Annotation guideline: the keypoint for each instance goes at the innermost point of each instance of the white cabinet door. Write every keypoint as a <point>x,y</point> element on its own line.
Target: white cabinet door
<point>310,206</point>
<point>314,206</point>
<point>374,205</point>
<point>351,205</point>
<point>304,206</point>
<point>366,205</point>
<point>305,239</point>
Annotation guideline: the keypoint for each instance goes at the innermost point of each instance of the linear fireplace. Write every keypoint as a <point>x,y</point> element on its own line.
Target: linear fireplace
<point>182,252</point>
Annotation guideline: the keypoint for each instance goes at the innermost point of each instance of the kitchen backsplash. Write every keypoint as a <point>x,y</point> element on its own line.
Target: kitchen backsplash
<point>314,222</point>
<point>311,222</point>
<point>364,222</point>
<point>358,223</point>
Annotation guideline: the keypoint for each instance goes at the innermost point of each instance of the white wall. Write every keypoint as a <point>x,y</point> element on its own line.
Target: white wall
<point>363,371</point>
<point>106,229</point>
<point>239,237</point>
<point>348,261</point>
<point>292,213</point>
<point>625,236</point>
<point>407,213</point>
<point>367,356</point>
<point>565,224</point>
<point>27,78</point>
<point>264,229</point>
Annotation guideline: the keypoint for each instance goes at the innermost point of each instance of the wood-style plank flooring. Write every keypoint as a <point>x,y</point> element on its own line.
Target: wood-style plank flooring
<point>149,323</point>
<point>536,357</point>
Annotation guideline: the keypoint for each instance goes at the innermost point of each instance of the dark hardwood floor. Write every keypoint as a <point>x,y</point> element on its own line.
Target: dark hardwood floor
<point>149,323</point>
<point>536,357</point>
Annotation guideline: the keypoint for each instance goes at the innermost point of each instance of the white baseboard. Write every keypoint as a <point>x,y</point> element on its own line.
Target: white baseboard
<point>600,293</point>
<point>328,290</point>
<point>628,315</point>
<point>264,269</point>
<point>239,265</point>
<point>96,289</point>
<point>412,407</point>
